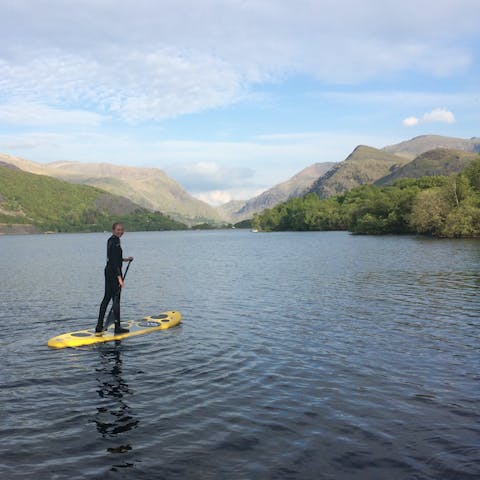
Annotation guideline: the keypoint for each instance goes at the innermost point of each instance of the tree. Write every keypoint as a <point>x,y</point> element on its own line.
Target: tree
<point>438,206</point>
<point>429,212</point>
<point>472,173</point>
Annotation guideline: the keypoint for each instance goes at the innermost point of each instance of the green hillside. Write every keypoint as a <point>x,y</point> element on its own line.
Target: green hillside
<point>150,188</point>
<point>440,161</point>
<point>48,204</point>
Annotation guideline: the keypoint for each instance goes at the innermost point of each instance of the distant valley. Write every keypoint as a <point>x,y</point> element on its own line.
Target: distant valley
<point>296,186</point>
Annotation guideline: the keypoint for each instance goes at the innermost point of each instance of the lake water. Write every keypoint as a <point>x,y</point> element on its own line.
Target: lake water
<point>301,356</point>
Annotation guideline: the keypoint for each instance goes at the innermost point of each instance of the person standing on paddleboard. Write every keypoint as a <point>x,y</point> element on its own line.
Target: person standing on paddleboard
<point>113,279</point>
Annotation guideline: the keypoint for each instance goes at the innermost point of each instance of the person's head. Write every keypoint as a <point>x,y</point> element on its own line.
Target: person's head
<point>117,229</point>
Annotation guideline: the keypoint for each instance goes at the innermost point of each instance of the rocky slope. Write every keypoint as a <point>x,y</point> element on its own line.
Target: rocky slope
<point>364,165</point>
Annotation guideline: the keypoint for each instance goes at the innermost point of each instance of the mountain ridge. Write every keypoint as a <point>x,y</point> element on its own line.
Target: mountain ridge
<point>423,143</point>
<point>150,187</point>
<point>364,165</point>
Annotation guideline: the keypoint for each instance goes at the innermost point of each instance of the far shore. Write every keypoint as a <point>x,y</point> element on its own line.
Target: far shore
<point>18,229</point>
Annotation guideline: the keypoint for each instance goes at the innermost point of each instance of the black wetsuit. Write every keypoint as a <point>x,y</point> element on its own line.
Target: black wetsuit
<point>113,270</point>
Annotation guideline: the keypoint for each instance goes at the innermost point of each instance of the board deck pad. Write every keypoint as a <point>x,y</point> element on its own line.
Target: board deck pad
<point>145,325</point>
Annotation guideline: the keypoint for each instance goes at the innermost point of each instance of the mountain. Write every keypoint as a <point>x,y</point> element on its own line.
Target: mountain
<point>364,165</point>
<point>150,188</point>
<point>21,164</point>
<point>35,203</point>
<point>229,209</point>
<point>296,186</point>
<point>412,148</point>
<point>440,161</point>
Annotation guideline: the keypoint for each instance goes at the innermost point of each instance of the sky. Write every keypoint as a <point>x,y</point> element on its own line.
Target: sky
<point>230,97</point>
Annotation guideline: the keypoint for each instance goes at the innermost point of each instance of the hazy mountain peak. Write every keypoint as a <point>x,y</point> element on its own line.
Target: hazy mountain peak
<point>423,143</point>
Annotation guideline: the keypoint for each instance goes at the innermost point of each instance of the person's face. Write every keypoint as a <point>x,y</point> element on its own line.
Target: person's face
<point>118,231</point>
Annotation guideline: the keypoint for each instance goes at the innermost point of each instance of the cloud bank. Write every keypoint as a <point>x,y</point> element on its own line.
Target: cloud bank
<point>438,115</point>
<point>143,60</point>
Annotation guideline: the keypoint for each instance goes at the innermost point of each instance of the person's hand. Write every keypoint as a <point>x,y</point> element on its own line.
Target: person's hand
<point>120,282</point>
<point>128,259</point>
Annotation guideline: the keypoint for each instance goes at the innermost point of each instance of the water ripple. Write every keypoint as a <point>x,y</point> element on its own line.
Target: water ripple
<point>301,356</point>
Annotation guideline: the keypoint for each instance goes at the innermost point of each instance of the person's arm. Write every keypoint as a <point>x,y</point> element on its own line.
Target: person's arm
<point>119,267</point>
<point>114,257</point>
<point>128,259</point>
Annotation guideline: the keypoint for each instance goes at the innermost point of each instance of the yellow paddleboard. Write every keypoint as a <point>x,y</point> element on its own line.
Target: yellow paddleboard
<point>137,327</point>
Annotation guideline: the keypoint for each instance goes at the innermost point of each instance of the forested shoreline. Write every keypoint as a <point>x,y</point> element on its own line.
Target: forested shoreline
<point>438,206</point>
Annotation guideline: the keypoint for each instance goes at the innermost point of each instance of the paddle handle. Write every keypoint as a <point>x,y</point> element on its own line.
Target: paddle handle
<point>126,270</point>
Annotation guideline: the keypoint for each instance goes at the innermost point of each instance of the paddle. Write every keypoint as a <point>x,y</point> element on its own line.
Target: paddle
<point>111,317</point>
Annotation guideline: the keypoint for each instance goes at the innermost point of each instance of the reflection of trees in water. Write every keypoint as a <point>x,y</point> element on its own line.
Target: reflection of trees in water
<point>115,417</point>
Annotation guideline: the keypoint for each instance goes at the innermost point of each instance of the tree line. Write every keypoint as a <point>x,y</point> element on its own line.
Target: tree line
<point>438,206</point>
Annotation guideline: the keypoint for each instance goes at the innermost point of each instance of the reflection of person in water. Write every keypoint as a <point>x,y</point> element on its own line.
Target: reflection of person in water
<point>114,417</point>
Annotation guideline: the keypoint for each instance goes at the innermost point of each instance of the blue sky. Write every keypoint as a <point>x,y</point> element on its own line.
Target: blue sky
<point>230,97</point>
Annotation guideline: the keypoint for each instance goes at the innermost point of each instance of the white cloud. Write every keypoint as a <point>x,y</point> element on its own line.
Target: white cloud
<point>220,197</point>
<point>215,197</point>
<point>142,86</point>
<point>411,121</point>
<point>34,114</point>
<point>43,145</point>
<point>438,115</point>
<point>208,175</point>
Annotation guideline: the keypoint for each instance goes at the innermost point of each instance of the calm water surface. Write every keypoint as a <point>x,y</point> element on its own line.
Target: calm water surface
<point>301,356</point>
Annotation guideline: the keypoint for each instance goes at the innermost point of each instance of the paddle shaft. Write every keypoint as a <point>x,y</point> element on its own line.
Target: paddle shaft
<point>126,270</point>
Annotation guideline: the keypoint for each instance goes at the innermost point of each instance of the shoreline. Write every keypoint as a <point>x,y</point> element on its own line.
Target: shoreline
<point>19,229</point>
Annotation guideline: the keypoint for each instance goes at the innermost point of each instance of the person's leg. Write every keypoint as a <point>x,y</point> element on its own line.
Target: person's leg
<point>103,306</point>
<point>116,307</point>
<point>116,312</point>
